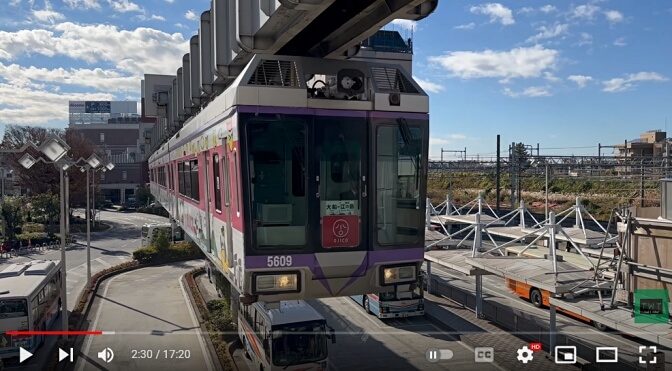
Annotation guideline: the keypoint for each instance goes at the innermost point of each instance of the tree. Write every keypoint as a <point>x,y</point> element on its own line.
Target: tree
<point>162,240</point>
<point>521,162</point>
<point>12,209</point>
<point>143,195</point>
<point>48,206</point>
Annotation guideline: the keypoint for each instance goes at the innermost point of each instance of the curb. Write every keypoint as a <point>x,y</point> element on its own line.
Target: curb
<point>76,341</point>
<point>201,320</point>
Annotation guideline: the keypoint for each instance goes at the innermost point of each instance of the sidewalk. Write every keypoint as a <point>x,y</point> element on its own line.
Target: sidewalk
<point>482,333</point>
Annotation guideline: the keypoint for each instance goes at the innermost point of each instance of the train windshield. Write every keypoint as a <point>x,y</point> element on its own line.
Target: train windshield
<point>295,344</point>
<point>277,171</point>
<point>399,180</point>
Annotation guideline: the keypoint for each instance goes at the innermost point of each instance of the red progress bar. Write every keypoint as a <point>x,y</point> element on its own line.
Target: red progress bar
<point>33,333</point>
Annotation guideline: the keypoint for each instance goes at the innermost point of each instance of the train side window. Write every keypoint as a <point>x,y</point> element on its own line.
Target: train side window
<point>217,183</point>
<point>195,183</point>
<point>180,177</point>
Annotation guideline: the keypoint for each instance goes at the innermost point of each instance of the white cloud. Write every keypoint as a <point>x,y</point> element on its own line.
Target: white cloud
<point>585,11</point>
<point>548,9</point>
<point>125,6</point>
<point>143,50</point>
<point>406,24</point>
<point>620,42</point>
<point>157,17</point>
<point>550,77</point>
<point>106,80</point>
<point>580,80</point>
<point>180,25</point>
<point>532,91</point>
<point>191,15</point>
<point>515,63</point>
<point>82,4</point>
<point>622,84</point>
<point>526,10</point>
<point>467,26</point>
<point>549,32</point>
<point>170,1</point>
<point>438,141</point>
<point>496,11</point>
<point>586,39</point>
<point>428,86</point>
<point>47,14</point>
<point>14,2</point>
<point>457,136</point>
<point>614,16</point>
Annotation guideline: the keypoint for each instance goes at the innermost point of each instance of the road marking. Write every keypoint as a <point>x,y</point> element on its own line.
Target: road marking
<point>89,338</point>
<point>206,356</point>
<point>102,262</point>
<point>122,258</point>
<point>72,272</point>
<point>68,279</point>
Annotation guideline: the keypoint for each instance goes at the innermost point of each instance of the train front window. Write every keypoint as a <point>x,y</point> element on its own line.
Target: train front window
<point>339,144</point>
<point>295,344</point>
<point>399,161</point>
<point>277,170</point>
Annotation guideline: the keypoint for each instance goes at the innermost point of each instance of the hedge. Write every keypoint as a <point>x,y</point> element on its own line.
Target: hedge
<point>180,250</point>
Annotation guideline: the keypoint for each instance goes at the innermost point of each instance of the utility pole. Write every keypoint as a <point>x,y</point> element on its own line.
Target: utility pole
<point>512,175</point>
<point>499,173</point>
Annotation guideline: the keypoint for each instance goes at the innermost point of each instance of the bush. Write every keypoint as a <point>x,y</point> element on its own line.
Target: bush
<point>35,239</point>
<point>180,250</point>
<point>33,228</point>
<point>162,240</point>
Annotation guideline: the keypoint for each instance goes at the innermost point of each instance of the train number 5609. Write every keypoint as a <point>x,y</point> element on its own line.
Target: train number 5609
<point>279,261</point>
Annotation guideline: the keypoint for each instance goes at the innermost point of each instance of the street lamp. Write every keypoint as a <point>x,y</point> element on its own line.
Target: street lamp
<point>91,163</point>
<point>56,149</point>
<point>536,163</point>
<point>4,172</point>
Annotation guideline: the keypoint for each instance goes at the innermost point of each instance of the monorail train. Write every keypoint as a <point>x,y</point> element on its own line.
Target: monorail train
<point>306,178</point>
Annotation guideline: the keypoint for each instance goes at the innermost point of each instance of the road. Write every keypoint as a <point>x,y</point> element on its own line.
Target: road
<point>363,342</point>
<point>494,288</point>
<point>152,331</point>
<point>108,248</point>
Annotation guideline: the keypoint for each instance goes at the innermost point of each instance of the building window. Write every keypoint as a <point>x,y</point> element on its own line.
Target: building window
<point>217,182</point>
<point>102,137</point>
<point>124,176</point>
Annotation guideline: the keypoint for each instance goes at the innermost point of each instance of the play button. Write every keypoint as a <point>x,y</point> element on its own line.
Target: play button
<point>24,355</point>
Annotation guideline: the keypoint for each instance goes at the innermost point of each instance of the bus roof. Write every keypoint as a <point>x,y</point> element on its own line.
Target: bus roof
<point>157,225</point>
<point>22,279</point>
<point>291,311</point>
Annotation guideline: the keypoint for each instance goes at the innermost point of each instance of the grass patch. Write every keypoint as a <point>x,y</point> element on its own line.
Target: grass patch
<point>217,319</point>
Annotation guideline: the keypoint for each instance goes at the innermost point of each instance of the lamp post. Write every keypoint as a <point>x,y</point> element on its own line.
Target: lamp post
<point>4,173</point>
<point>56,149</point>
<point>91,164</point>
<point>546,211</point>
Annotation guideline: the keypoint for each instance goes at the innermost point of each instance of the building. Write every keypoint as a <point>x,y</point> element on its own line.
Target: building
<point>653,143</point>
<point>387,47</point>
<point>117,129</point>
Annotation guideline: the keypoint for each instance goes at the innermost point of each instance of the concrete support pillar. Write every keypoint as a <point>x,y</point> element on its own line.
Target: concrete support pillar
<point>553,330</point>
<point>479,296</point>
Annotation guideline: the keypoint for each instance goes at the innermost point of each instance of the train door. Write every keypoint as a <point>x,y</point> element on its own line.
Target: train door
<point>228,208</point>
<point>208,200</point>
<point>342,189</point>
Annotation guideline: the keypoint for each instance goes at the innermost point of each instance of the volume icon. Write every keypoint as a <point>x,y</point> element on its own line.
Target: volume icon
<point>106,355</point>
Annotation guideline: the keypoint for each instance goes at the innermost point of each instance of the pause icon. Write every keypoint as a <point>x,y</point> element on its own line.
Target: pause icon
<point>433,355</point>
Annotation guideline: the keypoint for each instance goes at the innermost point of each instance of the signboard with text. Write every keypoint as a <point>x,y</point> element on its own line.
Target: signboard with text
<point>340,231</point>
<point>97,107</point>
<point>340,207</point>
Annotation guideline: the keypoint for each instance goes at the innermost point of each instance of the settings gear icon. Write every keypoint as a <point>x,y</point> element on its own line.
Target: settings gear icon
<point>525,354</point>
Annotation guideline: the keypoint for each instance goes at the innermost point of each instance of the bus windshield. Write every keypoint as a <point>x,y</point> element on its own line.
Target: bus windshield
<point>145,230</point>
<point>13,308</point>
<point>417,293</point>
<point>299,343</point>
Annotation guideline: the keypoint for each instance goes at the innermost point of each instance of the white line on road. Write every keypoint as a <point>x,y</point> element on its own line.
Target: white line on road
<point>102,262</point>
<point>123,258</point>
<point>206,354</point>
<point>72,272</point>
<point>89,338</point>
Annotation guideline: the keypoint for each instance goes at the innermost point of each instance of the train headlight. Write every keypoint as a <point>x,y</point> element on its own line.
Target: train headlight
<point>264,283</point>
<point>399,274</point>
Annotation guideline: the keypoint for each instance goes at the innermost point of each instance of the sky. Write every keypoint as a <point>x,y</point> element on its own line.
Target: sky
<point>564,75</point>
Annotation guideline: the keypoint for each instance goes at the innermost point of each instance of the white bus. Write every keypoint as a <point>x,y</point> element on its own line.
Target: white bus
<point>30,300</point>
<point>291,337</point>
<point>150,231</point>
